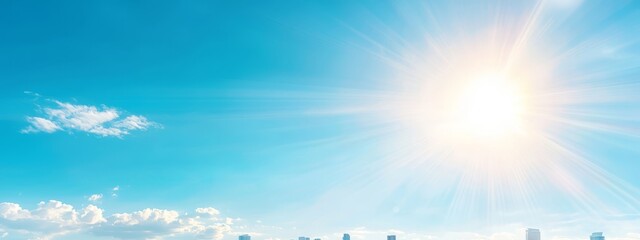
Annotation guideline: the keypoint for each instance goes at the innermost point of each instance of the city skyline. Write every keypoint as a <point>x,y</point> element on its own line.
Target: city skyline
<point>529,234</point>
<point>423,120</point>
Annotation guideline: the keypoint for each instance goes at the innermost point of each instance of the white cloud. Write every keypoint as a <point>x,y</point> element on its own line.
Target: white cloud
<point>54,219</point>
<point>12,211</point>
<point>208,212</point>
<point>158,223</point>
<point>57,220</point>
<point>95,197</point>
<point>48,220</point>
<point>40,125</point>
<point>145,224</point>
<point>114,191</point>
<point>102,121</point>
<point>92,215</point>
<point>133,122</point>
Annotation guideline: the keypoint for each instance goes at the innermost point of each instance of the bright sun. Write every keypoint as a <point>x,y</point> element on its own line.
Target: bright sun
<point>490,106</point>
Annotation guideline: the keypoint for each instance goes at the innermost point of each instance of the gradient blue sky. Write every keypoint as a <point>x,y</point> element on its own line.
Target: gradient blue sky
<point>259,109</point>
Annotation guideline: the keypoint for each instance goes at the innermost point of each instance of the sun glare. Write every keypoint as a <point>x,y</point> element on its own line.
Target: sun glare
<point>489,106</point>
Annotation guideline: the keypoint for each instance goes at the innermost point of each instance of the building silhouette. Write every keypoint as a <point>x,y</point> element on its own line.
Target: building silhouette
<point>391,237</point>
<point>244,237</point>
<point>346,237</point>
<point>533,234</point>
<point>303,238</point>
<point>597,236</point>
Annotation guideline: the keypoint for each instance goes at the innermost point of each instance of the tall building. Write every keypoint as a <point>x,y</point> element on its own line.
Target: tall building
<point>533,234</point>
<point>346,237</point>
<point>244,237</point>
<point>303,238</point>
<point>597,236</point>
<point>391,237</point>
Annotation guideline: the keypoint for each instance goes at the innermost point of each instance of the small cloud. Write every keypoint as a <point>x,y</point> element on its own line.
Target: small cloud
<point>32,93</point>
<point>95,197</point>
<point>208,212</point>
<point>114,191</point>
<point>102,121</point>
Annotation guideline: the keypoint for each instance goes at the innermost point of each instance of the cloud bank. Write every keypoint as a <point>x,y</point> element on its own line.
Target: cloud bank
<point>102,121</point>
<point>54,219</point>
<point>48,220</point>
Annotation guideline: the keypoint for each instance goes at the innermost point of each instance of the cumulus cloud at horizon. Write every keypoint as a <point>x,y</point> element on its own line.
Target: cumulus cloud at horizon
<point>55,219</point>
<point>102,121</point>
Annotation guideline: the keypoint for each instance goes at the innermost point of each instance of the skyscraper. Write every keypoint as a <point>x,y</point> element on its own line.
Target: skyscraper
<point>597,236</point>
<point>391,237</point>
<point>346,237</point>
<point>533,234</point>
<point>244,237</point>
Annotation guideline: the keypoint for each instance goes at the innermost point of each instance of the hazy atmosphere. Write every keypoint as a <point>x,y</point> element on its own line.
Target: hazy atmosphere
<point>275,120</point>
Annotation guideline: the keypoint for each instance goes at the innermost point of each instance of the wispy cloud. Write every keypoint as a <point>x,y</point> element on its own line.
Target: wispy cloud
<point>95,197</point>
<point>102,121</point>
<point>39,124</point>
<point>54,219</point>
<point>114,191</point>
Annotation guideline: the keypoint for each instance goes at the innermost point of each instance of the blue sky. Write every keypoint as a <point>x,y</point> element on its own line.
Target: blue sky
<point>284,119</point>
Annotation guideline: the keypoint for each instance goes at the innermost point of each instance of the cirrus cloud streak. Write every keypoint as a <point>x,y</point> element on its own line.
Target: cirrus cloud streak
<point>102,121</point>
